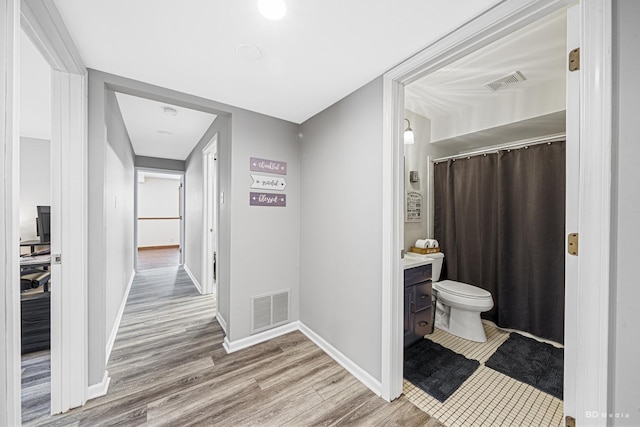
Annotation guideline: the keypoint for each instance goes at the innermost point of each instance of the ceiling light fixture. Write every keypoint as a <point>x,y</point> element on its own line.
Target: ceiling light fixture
<point>272,9</point>
<point>165,132</point>
<point>170,111</point>
<point>408,134</point>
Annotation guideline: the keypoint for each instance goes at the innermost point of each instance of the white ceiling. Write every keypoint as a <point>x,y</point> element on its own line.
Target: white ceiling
<point>35,92</point>
<point>317,54</point>
<point>154,133</point>
<point>458,103</point>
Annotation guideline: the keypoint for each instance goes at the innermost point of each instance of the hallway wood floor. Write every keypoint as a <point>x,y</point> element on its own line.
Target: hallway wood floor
<point>158,258</point>
<point>168,367</point>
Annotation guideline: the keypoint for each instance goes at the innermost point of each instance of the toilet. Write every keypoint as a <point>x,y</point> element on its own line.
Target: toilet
<point>459,305</point>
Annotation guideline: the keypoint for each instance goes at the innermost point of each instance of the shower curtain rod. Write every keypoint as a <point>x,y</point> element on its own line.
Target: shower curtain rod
<point>509,146</point>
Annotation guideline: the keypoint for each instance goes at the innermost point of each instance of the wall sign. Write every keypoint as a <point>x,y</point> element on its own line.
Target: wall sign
<point>264,182</point>
<point>269,166</point>
<point>267,199</point>
<point>413,208</point>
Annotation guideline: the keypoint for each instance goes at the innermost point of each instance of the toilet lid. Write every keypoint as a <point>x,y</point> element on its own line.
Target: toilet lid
<point>461,289</point>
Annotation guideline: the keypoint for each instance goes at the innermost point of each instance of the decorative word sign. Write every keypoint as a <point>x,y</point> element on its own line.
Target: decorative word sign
<point>269,166</point>
<point>267,199</point>
<point>263,182</point>
<point>414,206</point>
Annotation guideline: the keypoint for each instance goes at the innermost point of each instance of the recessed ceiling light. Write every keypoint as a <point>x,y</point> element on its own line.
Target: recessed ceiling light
<point>248,52</point>
<point>170,111</point>
<point>165,132</point>
<point>272,9</point>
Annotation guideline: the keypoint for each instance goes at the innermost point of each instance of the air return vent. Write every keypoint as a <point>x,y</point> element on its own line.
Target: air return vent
<point>507,81</point>
<point>268,311</point>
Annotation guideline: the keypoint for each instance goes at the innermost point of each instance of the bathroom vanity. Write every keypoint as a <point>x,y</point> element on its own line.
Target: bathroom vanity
<point>418,308</point>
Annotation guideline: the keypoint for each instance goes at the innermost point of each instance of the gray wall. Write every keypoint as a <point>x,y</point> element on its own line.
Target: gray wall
<point>265,238</point>
<point>418,157</point>
<point>340,265</point>
<point>110,241</point>
<point>157,163</point>
<point>625,215</point>
<point>194,209</point>
<point>35,179</point>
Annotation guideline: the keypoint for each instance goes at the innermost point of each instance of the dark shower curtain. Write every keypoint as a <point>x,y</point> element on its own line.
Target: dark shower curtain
<point>500,220</point>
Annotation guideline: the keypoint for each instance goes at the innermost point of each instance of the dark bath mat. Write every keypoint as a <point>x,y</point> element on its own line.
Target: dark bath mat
<point>533,362</point>
<point>436,369</point>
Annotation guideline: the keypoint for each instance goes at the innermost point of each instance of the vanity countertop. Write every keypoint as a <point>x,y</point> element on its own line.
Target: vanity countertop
<point>412,260</point>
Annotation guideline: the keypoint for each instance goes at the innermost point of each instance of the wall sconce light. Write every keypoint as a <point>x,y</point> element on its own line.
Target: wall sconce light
<point>408,134</point>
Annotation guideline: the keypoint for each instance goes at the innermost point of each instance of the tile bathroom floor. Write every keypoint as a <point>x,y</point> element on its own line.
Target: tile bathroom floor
<point>487,398</point>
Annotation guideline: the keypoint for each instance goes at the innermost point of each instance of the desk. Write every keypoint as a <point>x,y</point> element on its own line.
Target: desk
<point>33,244</point>
<point>33,262</point>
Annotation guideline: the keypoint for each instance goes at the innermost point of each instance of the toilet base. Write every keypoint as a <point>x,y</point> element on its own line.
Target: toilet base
<point>462,323</point>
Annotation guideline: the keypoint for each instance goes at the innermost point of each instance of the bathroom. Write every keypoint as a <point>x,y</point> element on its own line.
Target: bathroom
<point>506,100</point>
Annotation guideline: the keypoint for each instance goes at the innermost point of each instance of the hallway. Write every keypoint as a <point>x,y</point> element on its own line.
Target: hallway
<point>168,367</point>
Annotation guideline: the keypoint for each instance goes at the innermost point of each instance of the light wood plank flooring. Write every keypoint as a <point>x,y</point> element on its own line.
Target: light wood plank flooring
<point>158,258</point>
<point>168,367</point>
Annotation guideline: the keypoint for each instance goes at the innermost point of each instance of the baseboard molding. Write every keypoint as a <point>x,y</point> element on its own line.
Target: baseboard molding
<point>100,389</point>
<point>363,376</point>
<point>222,322</point>
<point>192,277</point>
<point>249,341</point>
<point>116,324</point>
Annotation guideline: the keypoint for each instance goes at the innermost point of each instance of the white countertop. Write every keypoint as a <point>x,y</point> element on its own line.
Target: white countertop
<point>412,260</point>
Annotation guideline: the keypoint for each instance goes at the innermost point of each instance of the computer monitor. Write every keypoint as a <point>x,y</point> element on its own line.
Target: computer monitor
<point>43,223</point>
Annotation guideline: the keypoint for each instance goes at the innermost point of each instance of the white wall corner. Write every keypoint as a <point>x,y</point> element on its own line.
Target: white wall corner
<point>222,322</point>
<point>100,389</point>
<point>363,376</point>
<point>193,278</point>
<point>233,346</point>
<point>116,324</point>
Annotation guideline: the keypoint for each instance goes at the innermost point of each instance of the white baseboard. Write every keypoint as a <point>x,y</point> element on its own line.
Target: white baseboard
<point>100,389</point>
<point>363,376</point>
<point>240,344</point>
<point>222,322</point>
<point>192,277</point>
<point>116,324</point>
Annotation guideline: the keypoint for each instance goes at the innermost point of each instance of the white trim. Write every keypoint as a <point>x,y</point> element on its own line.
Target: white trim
<point>192,277</point>
<point>116,324</point>
<point>232,347</point>
<point>504,18</point>
<point>361,375</point>
<point>209,218</point>
<point>10,407</point>
<point>100,389</point>
<point>43,24</point>
<point>592,379</point>
<point>222,322</point>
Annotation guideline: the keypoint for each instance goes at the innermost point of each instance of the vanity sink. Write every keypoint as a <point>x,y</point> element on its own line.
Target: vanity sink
<point>412,260</point>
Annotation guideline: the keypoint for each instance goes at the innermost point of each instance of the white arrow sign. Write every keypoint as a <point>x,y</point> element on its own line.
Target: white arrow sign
<point>268,182</point>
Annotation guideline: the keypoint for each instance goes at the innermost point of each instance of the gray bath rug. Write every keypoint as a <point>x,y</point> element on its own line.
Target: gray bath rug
<point>530,361</point>
<point>436,369</point>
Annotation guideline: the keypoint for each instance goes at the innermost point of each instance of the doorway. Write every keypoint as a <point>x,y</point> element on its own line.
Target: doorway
<point>211,206</point>
<point>594,94</point>
<point>159,231</point>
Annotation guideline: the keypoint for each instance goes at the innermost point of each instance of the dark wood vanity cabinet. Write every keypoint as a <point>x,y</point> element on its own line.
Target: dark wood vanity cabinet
<point>418,309</point>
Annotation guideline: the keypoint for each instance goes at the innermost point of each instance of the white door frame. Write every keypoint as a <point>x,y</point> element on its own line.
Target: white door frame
<point>137,170</point>
<point>210,215</point>
<point>591,325</point>
<point>42,23</point>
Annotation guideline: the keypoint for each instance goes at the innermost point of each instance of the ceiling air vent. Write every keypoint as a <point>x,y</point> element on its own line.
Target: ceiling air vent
<point>509,80</point>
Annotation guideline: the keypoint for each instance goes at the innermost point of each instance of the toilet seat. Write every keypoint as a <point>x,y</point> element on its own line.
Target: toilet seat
<point>461,289</point>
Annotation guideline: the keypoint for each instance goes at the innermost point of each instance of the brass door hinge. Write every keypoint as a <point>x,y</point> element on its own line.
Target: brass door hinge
<point>570,421</point>
<point>573,244</point>
<point>574,59</point>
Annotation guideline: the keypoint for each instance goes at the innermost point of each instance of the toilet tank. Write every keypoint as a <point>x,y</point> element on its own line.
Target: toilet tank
<point>436,265</point>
